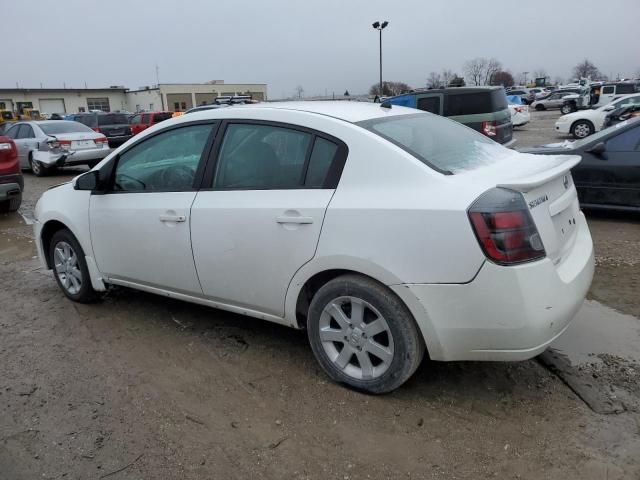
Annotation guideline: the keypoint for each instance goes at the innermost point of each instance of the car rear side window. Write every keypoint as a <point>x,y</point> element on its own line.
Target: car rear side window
<point>322,158</point>
<point>446,146</point>
<point>472,103</point>
<point>429,104</point>
<point>262,157</point>
<point>161,117</point>
<point>25,132</point>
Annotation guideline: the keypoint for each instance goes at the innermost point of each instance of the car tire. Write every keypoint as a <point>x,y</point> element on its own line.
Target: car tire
<point>37,168</point>
<point>566,109</point>
<point>582,129</point>
<point>70,267</point>
<point>12,204</point>
<point>375,352</point>
<point>540,107</point>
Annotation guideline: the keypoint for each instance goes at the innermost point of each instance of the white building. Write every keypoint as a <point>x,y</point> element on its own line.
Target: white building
<point>166,96</point>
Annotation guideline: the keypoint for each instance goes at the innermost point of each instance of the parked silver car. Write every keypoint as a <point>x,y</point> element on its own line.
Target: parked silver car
<point>555,100</point>
<point>45,145</point>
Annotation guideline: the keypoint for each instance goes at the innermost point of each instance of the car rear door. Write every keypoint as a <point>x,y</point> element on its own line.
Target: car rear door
<point>135,124</point>
<point>258,218</point>
<point>140,226</point>
<point>25,142</point>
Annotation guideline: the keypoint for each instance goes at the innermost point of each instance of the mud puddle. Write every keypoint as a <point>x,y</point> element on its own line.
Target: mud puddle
<point>16,241</point>
<point>598,357</point>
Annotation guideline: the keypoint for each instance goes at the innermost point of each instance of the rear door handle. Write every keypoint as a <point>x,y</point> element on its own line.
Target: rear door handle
<point>173,218</point>
<point>294,219</point>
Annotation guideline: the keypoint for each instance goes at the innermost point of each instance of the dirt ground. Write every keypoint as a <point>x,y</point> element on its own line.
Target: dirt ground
<point>142,387</point>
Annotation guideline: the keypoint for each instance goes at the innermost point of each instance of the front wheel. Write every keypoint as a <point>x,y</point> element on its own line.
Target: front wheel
<point>363,335</point>
<point>70,267</point>
<point>582,129</point>
<point>540,107</point>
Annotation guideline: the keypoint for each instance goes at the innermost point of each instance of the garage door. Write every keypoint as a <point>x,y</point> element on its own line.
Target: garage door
<point>52,105</point>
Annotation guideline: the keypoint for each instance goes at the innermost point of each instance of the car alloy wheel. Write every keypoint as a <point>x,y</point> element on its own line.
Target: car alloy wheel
<point>356,338</point>
<point>67,267</point>
<point>582,130</point>
<point>565,109</point>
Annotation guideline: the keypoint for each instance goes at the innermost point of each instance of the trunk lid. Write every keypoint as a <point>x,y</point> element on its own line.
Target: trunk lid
<point>547,187</point>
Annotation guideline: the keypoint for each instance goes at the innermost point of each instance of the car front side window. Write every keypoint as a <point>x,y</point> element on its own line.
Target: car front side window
<point>165,162</point>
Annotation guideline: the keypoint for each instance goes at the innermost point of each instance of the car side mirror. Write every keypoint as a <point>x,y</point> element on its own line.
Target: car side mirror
<point>598,149</point>
<point>608,108</point>
<point>88,181</point>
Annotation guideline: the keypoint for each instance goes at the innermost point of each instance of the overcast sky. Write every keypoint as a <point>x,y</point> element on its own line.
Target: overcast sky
<point>323,45</point>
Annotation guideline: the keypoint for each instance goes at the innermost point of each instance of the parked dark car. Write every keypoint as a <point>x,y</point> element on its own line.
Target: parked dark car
<point>114,126</point>
<point>621,114</point>
<point>484,109</point>
<point>609,174</point>
<point>11,180</point>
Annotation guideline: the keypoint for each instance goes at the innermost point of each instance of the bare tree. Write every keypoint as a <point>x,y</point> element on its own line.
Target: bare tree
<point>447,77</point>
<point>586,69</point>
<point>389,89</point>
<point>434,80</point>
<point>539,73</point>
<point>493,67</point>
<point>503,78</point>
<point>299,91</point>
<point>474,70</point>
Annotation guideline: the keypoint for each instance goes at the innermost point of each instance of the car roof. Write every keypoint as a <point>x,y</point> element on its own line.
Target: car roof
<point>349,111</point>
<point>477,89</point>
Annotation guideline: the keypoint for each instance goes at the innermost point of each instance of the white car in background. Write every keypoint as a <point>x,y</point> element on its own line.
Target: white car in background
<point>583,123</point>
<point>383,231</point>
<point>520,115</point>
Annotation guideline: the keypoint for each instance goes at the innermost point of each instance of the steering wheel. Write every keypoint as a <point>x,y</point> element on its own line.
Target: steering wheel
<point>177,176</point>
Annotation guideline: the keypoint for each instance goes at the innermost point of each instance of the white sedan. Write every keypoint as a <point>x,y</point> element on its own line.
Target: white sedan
<point>583,123</point>
<point>385,232</point>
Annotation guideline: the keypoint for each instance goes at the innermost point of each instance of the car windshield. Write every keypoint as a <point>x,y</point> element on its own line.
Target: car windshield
<point>63,126</point>
<point>446,146</point>
<point>112,119</point>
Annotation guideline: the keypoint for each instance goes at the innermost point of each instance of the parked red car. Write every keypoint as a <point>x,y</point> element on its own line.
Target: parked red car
<point>11,181</point>
<point>142,121</point>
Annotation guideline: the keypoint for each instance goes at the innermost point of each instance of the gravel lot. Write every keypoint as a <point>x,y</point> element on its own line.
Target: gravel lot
<point>140,386</point>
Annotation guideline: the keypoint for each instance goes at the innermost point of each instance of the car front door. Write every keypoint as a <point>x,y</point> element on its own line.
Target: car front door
<point>606,94</point>
<point>258,218</point>
<point>140,225</point>
<point>623,158</point>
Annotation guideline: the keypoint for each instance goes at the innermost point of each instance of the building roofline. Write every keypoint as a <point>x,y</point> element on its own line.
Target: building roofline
<point>213,84</point>
<point>44,90</point>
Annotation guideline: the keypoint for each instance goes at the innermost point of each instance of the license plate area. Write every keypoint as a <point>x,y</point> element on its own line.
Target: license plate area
<point>82,144</point>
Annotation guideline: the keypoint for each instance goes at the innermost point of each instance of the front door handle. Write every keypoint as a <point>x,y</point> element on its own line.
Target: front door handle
<point>173,218</point>
<point>294,219</point>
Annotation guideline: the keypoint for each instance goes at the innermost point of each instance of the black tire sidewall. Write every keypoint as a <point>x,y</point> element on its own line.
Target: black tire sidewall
<point>86,294</point>
<point>408,342</point>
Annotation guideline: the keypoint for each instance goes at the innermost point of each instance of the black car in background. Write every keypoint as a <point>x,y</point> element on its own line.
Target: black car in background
<point>621,114</point>
<point>114,126</point>
<point>609,174</point>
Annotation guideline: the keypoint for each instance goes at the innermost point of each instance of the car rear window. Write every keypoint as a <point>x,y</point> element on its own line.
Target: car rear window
<point>472,103</point>
<point>88,120</point>
<point>112,119</point>
<point>446,146</point>
<point>63,126</point>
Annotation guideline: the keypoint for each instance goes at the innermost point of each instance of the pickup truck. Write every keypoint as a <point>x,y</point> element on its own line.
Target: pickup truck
<point>142,121</point>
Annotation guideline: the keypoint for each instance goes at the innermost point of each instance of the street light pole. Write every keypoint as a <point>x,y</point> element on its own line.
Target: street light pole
<point>380,26</point>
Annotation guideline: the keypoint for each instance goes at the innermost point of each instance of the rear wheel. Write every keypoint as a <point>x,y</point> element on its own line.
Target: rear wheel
<point>540,107</point>
<point>12,204</point>
<point>582,129</point>
<point>37,168</point>
<point>363,335</point>
<point>70,267</point>
<point>566,109</point>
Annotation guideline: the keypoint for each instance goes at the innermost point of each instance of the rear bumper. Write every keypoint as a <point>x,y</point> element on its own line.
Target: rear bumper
<point>504,313</point>
<point>78,157</point>
<point>8,190</point>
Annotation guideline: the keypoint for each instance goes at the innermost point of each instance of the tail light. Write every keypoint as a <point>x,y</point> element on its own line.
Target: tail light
<point>504,227</point>
<point>96,129</point>
<point>101,141</point>
<point>517,109</point>
<point>56,144</point>
<point>490,129</point>
<point>9,147</point>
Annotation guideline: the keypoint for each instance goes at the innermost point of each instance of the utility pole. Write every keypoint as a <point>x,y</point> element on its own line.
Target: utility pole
<point>525,78</point>
<point>380,26</point>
